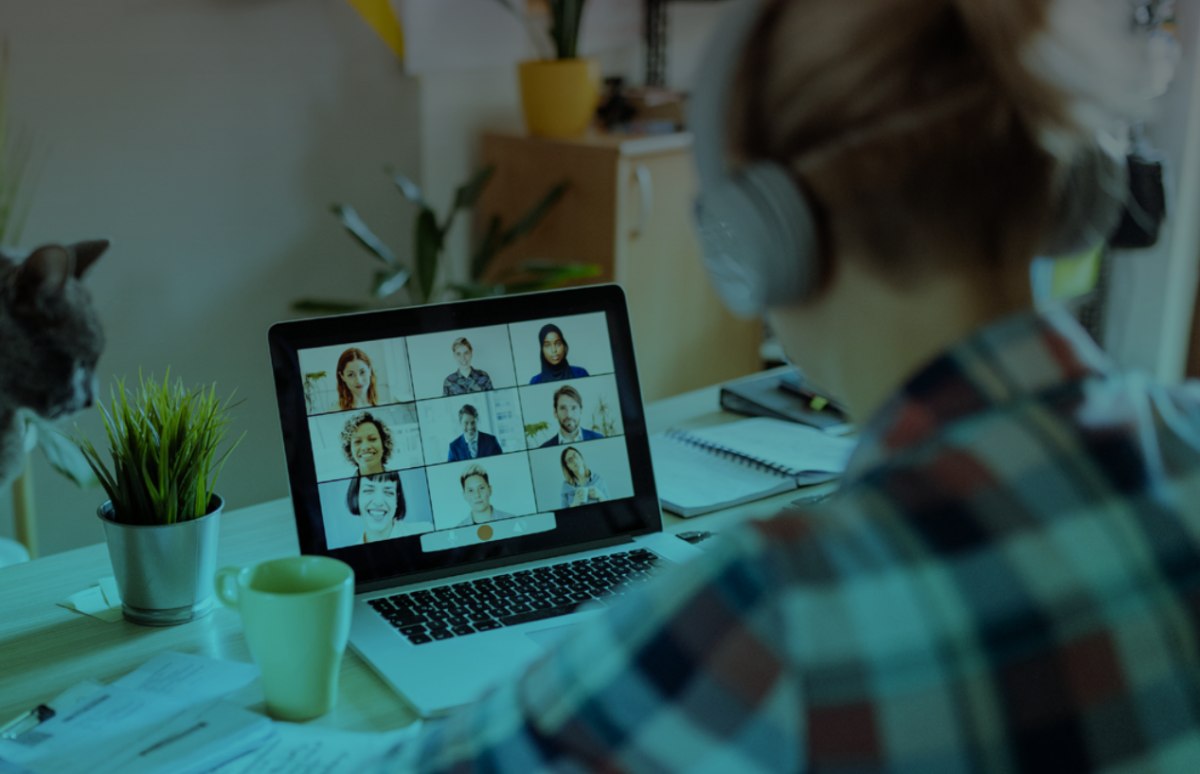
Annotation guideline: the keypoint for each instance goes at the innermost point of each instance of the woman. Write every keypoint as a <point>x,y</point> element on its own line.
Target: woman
<point>553,354</point>
<point>1016,539</point>
<point>367,443</point>
<point>580,484</point>
<point>379,501</point>
<point>355,381</point>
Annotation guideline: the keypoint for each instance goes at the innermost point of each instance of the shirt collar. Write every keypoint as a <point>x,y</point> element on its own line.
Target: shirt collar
<point>1017,357</point>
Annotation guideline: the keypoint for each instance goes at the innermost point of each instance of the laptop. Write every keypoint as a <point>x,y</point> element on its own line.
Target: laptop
<point>485,469</point>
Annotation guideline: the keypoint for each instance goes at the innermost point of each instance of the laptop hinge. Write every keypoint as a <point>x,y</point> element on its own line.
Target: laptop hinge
<point>491,564</point>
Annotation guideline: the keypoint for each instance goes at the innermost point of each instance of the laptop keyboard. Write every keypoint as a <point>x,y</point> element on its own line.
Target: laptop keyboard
<point>514,598</point>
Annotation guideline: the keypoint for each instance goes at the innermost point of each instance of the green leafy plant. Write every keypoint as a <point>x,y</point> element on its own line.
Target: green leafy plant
<point>418,276</point>
<point>602,421</point>
<point>164,441</point>
<point>534,428</point>
<point>311,380</point>
<point>559,39</point>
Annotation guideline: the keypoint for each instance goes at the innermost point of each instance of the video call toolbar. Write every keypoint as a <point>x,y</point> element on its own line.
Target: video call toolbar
<point>465,436</point>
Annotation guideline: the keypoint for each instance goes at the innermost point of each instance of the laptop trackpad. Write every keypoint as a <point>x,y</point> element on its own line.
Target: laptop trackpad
<point>545,638</point>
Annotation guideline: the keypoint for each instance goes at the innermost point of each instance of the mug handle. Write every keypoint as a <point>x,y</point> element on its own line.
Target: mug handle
<point>226,583</point>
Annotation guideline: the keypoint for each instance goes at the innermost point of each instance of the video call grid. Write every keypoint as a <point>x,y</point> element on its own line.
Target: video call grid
<point>428,456</point>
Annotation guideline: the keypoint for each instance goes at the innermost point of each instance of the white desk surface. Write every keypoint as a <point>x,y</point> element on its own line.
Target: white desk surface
<point>44,648</point>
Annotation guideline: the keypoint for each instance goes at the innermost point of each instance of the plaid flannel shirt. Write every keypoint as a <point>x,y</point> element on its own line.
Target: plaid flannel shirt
<point>1008,579</point>
<point>457,384</point>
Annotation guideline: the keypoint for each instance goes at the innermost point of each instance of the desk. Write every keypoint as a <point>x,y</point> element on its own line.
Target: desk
<point>45,648</point>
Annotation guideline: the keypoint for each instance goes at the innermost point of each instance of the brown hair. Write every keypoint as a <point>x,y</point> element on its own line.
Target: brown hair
<point>345,397</point>
<point>913,125</point>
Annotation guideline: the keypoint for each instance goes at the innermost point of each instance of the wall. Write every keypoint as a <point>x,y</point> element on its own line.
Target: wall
<point>1153,291</point>
<point>207,139</point>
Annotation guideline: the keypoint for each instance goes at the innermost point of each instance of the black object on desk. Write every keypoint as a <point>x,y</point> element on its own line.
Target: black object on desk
<point>782,396</point>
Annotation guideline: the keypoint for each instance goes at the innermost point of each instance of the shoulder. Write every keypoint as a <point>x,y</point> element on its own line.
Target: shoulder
<point>577,371</point>
<point>537,379</point>
<point>552,442</point>
<point>591,435</point>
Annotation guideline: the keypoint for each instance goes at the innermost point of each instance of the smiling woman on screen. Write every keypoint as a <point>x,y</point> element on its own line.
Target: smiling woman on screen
<point>356,380</point>
<point>367,443</point>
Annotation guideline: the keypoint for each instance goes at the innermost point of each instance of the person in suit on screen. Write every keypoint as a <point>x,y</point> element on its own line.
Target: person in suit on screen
<point>472,443</point>
<point>568,406</point>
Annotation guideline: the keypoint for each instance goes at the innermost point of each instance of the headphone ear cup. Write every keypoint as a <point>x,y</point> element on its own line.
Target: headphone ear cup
<point>1092,196</point>
<point>759,238</point>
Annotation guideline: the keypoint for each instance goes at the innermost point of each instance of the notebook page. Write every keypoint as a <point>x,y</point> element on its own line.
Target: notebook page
<point>795,447</point>
<point>694,480</point>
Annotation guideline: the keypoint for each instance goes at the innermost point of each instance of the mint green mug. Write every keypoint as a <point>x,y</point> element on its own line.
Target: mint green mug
<point>296,618</point>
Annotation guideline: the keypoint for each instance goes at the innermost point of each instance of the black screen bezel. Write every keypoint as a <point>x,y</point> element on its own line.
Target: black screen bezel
<point>400,560</point>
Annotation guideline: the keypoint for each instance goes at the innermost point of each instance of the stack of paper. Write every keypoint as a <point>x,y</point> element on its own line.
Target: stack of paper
<point>174,714</point>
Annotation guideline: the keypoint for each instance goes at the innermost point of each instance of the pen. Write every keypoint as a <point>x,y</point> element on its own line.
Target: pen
<point>27,720</point>
<point>816,401</point>
<point>173,738</point>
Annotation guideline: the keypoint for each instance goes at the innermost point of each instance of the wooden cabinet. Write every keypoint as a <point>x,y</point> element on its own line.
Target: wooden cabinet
<point>628,210</point>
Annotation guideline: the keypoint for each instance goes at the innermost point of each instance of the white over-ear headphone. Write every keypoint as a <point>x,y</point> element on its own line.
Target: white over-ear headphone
<point>758,229</point>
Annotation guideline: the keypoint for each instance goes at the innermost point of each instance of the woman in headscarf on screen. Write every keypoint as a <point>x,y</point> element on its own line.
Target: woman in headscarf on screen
<point>553,355</point>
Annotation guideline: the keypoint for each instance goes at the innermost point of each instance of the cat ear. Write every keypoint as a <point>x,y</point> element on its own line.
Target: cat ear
<point>86,253</point>
<point>42,274</point>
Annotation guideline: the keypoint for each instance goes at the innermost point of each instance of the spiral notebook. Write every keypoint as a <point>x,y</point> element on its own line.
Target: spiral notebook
<point>703,470</point>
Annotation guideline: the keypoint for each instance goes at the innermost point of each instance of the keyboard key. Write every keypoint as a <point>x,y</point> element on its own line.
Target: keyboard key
<point>463,608</point>
<point>537,615</point>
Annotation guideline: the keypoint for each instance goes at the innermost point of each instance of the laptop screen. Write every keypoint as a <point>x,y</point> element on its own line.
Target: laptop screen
<point>433,440</point>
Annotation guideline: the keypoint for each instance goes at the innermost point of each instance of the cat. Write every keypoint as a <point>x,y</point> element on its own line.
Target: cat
<point>50,340</point>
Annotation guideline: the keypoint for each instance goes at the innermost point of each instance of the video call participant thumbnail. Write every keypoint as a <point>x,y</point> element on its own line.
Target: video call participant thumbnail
<point>568,410</point>
<point>472,443</point>
<point>580,484</point>
<point>465,378</point>
<point>379,501</point>
<point>553,356</point>
<point>367,443</point>
<point>355,381</point>
<point>477,491</point>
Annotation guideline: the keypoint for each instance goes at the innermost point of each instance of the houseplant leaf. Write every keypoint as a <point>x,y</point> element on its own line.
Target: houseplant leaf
<point>387,283</point>
<point>428,241</point>
<point>411,190</point>
<point>469,192</point>
<point>63,455</point>
<point>496,239</point>
<point>354,224</point>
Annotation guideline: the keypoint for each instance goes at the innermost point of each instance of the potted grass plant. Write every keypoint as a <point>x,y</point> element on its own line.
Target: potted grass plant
<point>167,446</point>
<point>559,89</point>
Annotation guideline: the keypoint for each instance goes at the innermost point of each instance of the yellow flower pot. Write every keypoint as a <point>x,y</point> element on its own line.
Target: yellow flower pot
<point>559,96</point>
